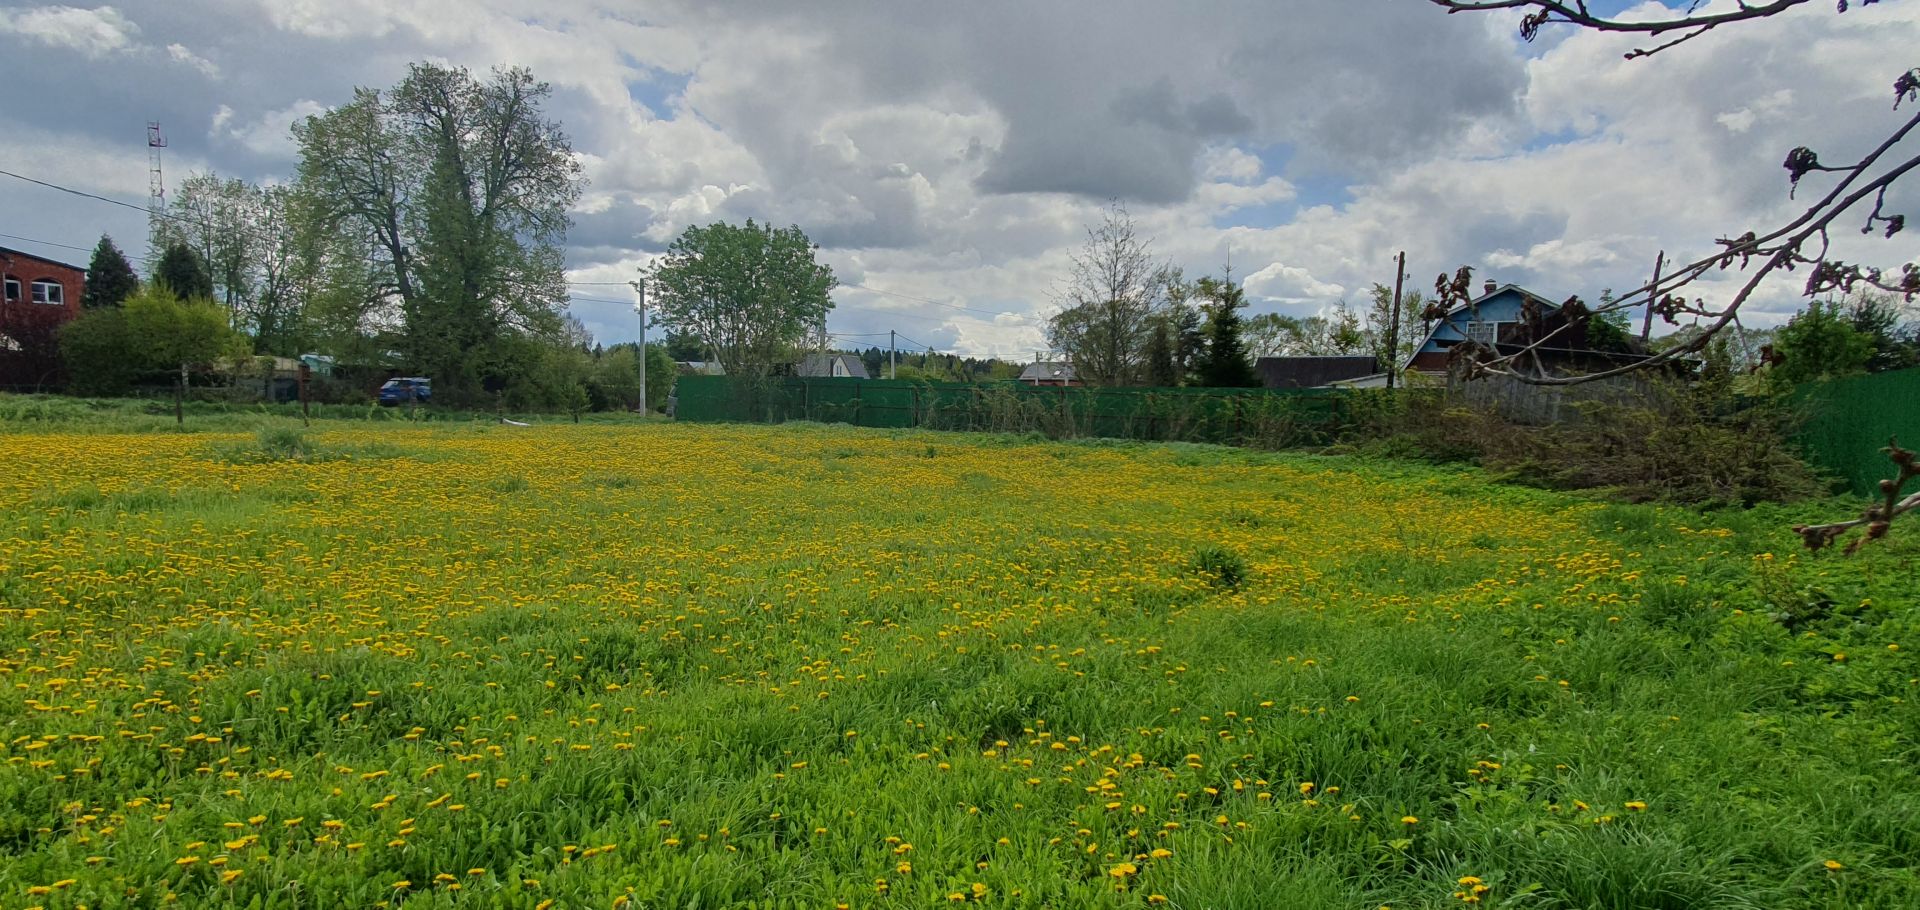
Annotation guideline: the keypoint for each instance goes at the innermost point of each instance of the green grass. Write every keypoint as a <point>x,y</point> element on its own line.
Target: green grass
<point>767,666</point>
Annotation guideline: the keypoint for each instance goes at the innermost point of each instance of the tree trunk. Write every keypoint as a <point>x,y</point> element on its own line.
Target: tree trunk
<point>179,399</point>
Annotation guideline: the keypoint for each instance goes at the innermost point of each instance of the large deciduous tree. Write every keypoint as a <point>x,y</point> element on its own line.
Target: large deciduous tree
<point>1109,303</point>
<point>110,278</point>
<point>462,187</point>
<point>749,292</point>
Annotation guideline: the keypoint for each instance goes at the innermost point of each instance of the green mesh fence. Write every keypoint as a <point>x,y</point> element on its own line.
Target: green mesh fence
<point>1850,420</point>
<point>1277,417</point>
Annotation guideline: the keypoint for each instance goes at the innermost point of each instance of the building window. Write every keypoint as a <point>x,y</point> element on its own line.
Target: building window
<point>1484,333</point>
<point>45,291</point>
<point>13,289</point>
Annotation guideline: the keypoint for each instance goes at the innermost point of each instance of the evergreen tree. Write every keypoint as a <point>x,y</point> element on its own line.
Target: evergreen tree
<point>1161,370</point>
<point>182,273</point>
<point>110,278</point>
<point>1225,364</point>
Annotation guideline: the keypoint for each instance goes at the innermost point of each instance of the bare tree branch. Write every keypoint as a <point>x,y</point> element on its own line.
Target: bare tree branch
<point>1879,516</point>
<point>1550,12</point>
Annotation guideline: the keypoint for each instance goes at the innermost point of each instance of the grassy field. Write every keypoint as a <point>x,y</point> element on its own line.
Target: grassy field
<point>698,666</point>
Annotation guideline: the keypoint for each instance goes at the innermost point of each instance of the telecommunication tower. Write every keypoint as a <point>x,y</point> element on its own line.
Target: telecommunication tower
<point>156,190</point>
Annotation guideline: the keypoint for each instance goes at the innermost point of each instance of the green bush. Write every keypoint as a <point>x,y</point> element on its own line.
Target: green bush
<point>1222,567</point>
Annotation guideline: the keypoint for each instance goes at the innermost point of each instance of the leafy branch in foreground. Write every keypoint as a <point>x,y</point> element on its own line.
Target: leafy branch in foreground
<point>1879,516</point>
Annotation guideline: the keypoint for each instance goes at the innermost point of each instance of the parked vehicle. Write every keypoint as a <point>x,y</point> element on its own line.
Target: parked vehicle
<point>406,389</point>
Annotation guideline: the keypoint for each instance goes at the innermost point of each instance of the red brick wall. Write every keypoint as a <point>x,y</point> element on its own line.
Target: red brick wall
<point>27,270</point>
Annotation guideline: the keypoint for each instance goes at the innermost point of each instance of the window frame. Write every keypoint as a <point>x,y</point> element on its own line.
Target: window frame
<point>10,291</point>
<point>1482,331</point>
<point>57,298</point>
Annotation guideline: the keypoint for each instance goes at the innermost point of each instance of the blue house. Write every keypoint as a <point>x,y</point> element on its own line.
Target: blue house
<point>1492,318</point>
<point>1511,321</point>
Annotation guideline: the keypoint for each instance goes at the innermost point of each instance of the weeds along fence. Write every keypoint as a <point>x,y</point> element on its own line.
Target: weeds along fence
<point>1269,418</point>
<point>1848,423</point>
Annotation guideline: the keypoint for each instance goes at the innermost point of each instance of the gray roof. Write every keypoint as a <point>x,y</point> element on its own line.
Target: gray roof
<point>1048,370</point>
<point>1313,372</point>
<point>821,365</point>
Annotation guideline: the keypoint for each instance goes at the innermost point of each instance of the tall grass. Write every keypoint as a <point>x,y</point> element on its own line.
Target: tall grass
<point>803,666</point>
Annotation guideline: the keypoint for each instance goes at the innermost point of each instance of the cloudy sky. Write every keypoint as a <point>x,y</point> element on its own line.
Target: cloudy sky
<point>949,156</point>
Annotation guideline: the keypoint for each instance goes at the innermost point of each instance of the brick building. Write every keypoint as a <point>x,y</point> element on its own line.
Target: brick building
<point>37,296</point>
<point>46,287</point>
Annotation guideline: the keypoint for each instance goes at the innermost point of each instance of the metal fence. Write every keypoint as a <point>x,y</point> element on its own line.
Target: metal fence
<point>1257,416</point>
<point>1850,420</point>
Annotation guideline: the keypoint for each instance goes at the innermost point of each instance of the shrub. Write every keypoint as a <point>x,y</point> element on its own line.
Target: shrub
<point>285,444</point>
<point>1222,567</point>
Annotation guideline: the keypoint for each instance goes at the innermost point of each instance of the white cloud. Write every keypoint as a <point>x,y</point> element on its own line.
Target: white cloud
<point>93,32</point>
<point>180,54</point>
<point>270,135</point>
<point>956,155</point>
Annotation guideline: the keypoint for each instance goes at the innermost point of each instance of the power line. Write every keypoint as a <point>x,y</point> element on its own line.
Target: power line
<point>599,299</point>
<point>64,246</point>
<point>83,193</point>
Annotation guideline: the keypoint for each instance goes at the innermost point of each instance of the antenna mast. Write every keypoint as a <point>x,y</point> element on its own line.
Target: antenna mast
<point>156,191</point>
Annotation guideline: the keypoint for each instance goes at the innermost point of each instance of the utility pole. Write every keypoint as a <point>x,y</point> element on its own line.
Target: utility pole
<point>1393,321</point>
<point>1653,291</point>
<point>640,287</point>
<point>890,349</point>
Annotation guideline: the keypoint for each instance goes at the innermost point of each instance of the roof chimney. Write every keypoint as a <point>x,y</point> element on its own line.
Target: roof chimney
<point>1492,286</point>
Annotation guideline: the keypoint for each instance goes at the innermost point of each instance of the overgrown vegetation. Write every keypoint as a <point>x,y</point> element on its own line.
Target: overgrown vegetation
<point>1663,441</point>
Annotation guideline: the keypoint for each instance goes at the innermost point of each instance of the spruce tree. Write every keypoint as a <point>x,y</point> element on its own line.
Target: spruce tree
<point>182,272</point>
<point>1225,363</point>
<point>110,278</point>
<point>1161,370</point>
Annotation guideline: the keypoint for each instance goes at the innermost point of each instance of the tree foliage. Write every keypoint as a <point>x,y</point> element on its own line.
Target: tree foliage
<point>182,273</point>
<point>749,292</point>
<point>1226,363</point>
<point>110,277</point>
<point>1820,342</point>
<point>461,187</point>
<point>110,348</point>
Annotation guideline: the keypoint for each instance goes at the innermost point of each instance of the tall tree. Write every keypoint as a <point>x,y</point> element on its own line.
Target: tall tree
<point>462,186</point>
<point>1226,364</point>
<point>182,273</point>
<point>110,278</point>
<point>218,218</point>
<point>1108,304</point>
<point>1162,370</point>
<point>748,292</point>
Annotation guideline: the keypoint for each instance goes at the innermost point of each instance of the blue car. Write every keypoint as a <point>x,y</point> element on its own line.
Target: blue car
<point>406,389</point>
